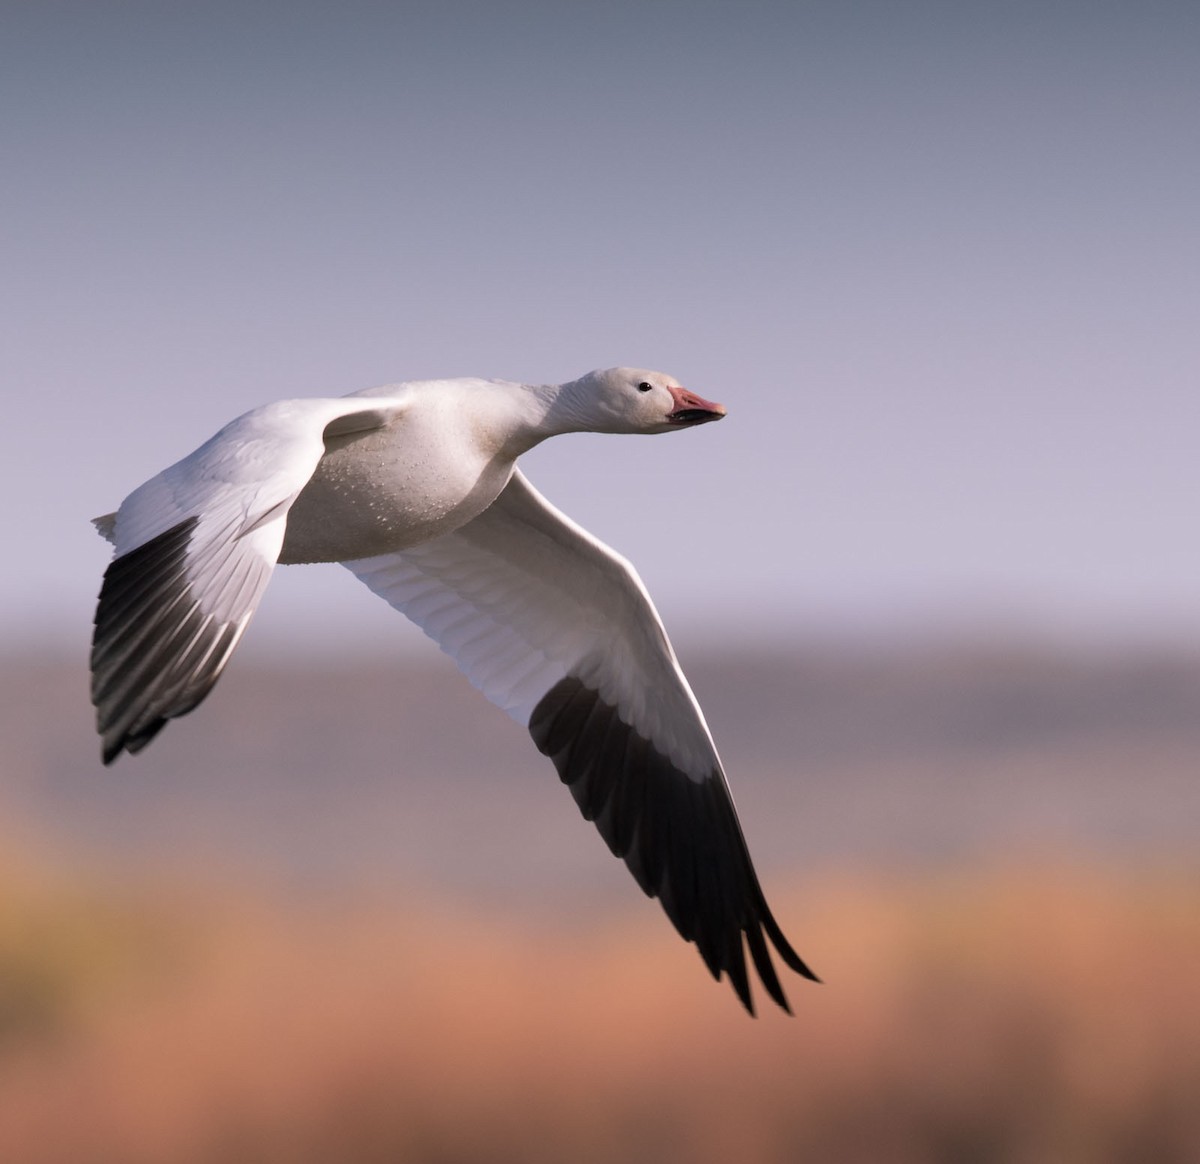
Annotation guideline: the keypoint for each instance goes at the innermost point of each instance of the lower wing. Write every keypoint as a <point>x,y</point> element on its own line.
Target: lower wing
<point>558,630</point>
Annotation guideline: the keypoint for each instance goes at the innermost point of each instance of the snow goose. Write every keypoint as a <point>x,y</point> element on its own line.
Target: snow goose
<point>414,487</point>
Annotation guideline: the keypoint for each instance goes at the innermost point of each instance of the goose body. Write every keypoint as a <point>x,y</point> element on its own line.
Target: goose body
<point>415,488</point>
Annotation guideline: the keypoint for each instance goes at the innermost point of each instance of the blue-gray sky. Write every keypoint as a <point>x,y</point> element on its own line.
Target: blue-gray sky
<point>941,261</point>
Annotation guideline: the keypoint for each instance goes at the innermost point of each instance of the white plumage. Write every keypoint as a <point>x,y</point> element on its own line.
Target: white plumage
<point>415,488</point>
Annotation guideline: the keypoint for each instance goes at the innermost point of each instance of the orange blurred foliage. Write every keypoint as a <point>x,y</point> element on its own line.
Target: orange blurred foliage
<point>988,1015</point>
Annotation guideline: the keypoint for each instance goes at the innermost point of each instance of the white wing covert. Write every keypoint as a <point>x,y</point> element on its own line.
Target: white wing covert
<point>195,547</point>
<point>558,630</point>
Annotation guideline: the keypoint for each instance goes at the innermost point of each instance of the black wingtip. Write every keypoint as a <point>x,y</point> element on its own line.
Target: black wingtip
<point>679,836</point>
<point>782,946</point>
<point>155,653</point>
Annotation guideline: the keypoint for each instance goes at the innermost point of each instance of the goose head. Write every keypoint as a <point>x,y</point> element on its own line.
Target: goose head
<point>636,400</point>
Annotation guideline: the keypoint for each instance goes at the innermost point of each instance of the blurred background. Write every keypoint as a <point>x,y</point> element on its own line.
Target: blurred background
<point>934,578</point>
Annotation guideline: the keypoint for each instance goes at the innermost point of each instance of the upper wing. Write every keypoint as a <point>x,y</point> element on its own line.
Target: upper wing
<point>558,630</point>
<point>195,547</point>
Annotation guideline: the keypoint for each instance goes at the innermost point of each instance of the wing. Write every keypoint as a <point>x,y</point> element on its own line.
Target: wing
<point>195,547</point>
<point>558,630</point>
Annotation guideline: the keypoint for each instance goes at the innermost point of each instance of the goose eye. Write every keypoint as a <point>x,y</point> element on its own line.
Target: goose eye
<point>645,386</point>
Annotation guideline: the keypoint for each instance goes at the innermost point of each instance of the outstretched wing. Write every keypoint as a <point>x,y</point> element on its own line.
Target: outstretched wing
<point>195,547</point>
<point>557,629</point>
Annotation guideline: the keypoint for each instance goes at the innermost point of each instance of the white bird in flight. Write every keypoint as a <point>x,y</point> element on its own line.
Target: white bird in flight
<point>414,487</point>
